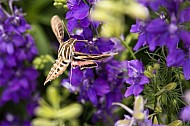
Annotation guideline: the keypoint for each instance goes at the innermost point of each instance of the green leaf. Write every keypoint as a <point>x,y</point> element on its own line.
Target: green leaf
<point>42,42</point>
<point>53,96</point>
<point>176,123</point>
<point>69,112</point>
<point>42,122</point>
<point>45,111</point>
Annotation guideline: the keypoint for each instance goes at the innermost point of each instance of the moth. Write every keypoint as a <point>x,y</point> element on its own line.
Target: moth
<point>67,53</point>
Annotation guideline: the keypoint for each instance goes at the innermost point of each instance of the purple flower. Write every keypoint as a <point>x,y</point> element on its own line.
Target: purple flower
<point>78,13</point>
<point>136,78</point>
<point>169,31</point>
<point>185,113</point>
<point>101,86</point>
<point>17,78</point>
<point>93,46</point>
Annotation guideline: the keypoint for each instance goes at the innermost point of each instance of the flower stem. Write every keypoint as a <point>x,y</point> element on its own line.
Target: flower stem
<point>128,47</point>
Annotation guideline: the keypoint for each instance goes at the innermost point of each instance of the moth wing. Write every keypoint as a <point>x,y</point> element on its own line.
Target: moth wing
<point>79,56</point>
<point>84,64</point>
<point>57,69</point>
<point>57,28</point>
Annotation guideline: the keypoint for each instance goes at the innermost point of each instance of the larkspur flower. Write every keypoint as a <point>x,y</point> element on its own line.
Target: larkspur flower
<point>18,80</point>
<point>101,86</point>
<point>170,30</point>
<point>94,45</point>
<point>77,15</point>
<point>136,78</point>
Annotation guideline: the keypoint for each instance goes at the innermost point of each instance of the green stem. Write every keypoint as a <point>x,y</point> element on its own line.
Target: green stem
<point>128,47</point>
<point>155,99</point>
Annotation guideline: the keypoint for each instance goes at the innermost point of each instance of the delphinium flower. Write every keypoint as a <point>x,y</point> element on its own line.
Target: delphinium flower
<point>136,77</point>
<point>168,29</point>
<point>78,14</point>
<point>101,86</point>
<point>17,50</point>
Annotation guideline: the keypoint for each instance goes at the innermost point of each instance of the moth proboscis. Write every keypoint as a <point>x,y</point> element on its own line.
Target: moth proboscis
<point>67,53</point>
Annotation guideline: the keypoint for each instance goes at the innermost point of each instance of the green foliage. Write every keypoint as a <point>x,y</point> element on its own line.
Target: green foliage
<point>112,14</point>
<point>52,112</point>
<point>39,62</point>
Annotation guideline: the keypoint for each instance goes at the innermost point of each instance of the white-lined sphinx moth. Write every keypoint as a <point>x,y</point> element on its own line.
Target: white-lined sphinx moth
<point>67,53</point>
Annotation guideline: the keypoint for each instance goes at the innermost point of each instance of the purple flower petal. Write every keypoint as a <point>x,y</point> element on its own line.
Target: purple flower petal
<point>18,40</point>
<point>185,36</point>
<point>81,11</point>
<point>10,48</point>
<point>72,24</point>
<point>92,96</point>
<point>137,89</point>
<point>101,87</point>
<point>156,25</point>
<point>69,15</point>
<point>175,58</point>
<point>85,22</point>
<point>77,77</point>
<point>185,113</point>
<point>186,69</point>
<point>185,15</point>
<point>141,41</point>
<point>104,45</point>
<point>129,91</point>
<point>172,42</point>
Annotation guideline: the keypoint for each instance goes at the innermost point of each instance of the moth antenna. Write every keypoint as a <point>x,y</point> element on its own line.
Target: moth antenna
<point>66,29</point>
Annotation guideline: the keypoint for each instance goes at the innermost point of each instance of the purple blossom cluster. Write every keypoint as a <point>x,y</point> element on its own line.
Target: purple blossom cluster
<point>17,50</point>
<point>167,28</point>
<point>136,77</point>
<point>103,85</point>
<point>78,14</point>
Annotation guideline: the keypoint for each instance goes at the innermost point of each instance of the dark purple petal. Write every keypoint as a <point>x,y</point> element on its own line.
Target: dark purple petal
<point>81,11</point>
<point>175,58</point>
<point>72,24</point>
<point>137,89</point>
<point>92,96</point>
<point>101,86</point>
<point>3,47</point>
<point>185,36</point>
<point>141,41</point>
<point>18,40</point>
<point>156,25</point>
<point>172,42</point>
<point>104,44</point>
<point>10,48</point>
<point>85,22</point>
<point>144,80</point>
<point>10,60</point>
<point>185,15</point>
<point>129,91</point>
<point>113,96</point>
<point>76,77</point>
<point>186,69</point>
<point>69,15</point>
<point>87,33</point>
